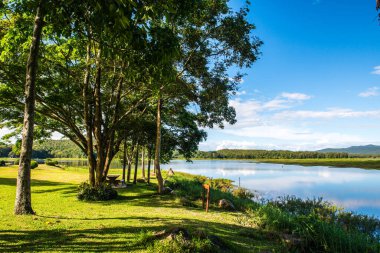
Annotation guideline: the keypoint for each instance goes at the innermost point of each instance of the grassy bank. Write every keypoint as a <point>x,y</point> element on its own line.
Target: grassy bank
<point>65,224</point>
<point>131,222</point>
<point>365,163</point>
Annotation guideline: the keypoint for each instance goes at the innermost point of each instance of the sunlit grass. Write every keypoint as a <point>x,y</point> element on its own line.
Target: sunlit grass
<point>64,223</point>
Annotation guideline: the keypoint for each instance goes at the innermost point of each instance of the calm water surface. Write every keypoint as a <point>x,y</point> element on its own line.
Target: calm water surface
<point>354,189</point>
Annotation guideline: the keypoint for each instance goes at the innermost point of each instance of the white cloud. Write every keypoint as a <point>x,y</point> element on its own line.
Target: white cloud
<point>239,93</point>
<point>272,124</point>
<point>376,70</point>
<point>295,96</point>
<point>247,112</point>
<point>328,114</point>
<point>293,134</point>
<point>229,144</point>
<point>285,100</point>
<point>370,92</point>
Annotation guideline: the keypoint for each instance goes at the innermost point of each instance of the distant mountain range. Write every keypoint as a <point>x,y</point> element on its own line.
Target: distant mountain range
<point>365,150</point>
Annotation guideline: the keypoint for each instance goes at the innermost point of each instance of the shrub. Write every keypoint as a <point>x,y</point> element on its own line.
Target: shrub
<point>86,192</point>
<point>33,164</point>
<point>316,225</point>
<point>191,188</point>
<point>180,244</point>
<point>50,162</point>
<point>2,163</point>
<point>327,212</point>
<point>242,193</point>
<point>224,185</point>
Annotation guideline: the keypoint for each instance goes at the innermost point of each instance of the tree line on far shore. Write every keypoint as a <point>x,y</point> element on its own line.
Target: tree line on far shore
<point>44,149</point>
<point>67,149</point>
<point>275,154</point>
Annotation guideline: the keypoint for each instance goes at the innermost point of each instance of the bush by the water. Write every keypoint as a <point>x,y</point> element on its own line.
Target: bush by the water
<point>103,192</point>
<point>33,164</point>
<point>315,226</point>
<point>190,188</point>
<point>50,162</point>
<point>242,193</point>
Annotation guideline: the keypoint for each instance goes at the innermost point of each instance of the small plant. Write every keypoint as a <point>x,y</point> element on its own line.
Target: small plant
<point>50,162</point>
<point>33,164</point>
<point>181,244</point>
<point>224,185</point>
<point>86,192</point>
<point>242,193</point>
<point>2,163</point>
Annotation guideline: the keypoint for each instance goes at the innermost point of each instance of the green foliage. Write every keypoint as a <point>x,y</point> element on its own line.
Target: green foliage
<point>86,192</point>
<point>190,187</point>
<point>270,154</point>
<point>51,162</point>
<point>33,164</point>
<point>327,212</point>
<point>315,225</point>
<point>2,163</point>
<point>179,244</point>
<point>58,149</point>
<point>5,150</point>
<point>242,193</point>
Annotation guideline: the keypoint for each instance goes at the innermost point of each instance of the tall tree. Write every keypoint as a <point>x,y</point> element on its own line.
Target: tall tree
<point>23,204</point>
<point>89,85</point>
<point>212,39</point>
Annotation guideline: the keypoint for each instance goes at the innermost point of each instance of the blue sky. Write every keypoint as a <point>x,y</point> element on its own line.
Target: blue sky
<point>317,83</point>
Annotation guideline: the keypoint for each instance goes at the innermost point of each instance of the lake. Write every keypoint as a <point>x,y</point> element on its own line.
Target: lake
<point>352,188</point>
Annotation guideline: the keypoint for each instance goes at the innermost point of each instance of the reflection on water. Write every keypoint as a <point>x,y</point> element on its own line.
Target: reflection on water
<point>355,189</point>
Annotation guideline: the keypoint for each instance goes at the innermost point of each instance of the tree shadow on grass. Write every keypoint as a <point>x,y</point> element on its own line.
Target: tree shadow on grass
<point>43,186</point>
<point>123,238</point>
<point>34,182</point>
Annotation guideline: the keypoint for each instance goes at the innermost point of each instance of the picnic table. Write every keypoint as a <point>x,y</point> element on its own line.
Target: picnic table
<point>112,179</point>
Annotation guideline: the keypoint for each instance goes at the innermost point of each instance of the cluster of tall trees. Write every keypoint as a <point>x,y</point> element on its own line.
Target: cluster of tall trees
<point>272,154</point>
<point>44,149</point>
<point>119,74</point>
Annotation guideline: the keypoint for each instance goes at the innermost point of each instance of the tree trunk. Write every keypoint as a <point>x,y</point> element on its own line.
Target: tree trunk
<point>124,160</point>
<point>100,159</point>
<point>157,153</point>
<point>143,162</point>
<point>23,203</point>
<point>149,162</point>
<point>87,115</point>
<point>129,171</point>
<point>136,165</point>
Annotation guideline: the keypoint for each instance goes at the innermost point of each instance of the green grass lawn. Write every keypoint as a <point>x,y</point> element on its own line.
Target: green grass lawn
<point>62,223</point>
<point>365,163</point>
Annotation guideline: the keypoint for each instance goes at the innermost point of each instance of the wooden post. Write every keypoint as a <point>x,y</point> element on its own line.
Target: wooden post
<point>206,194</point>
